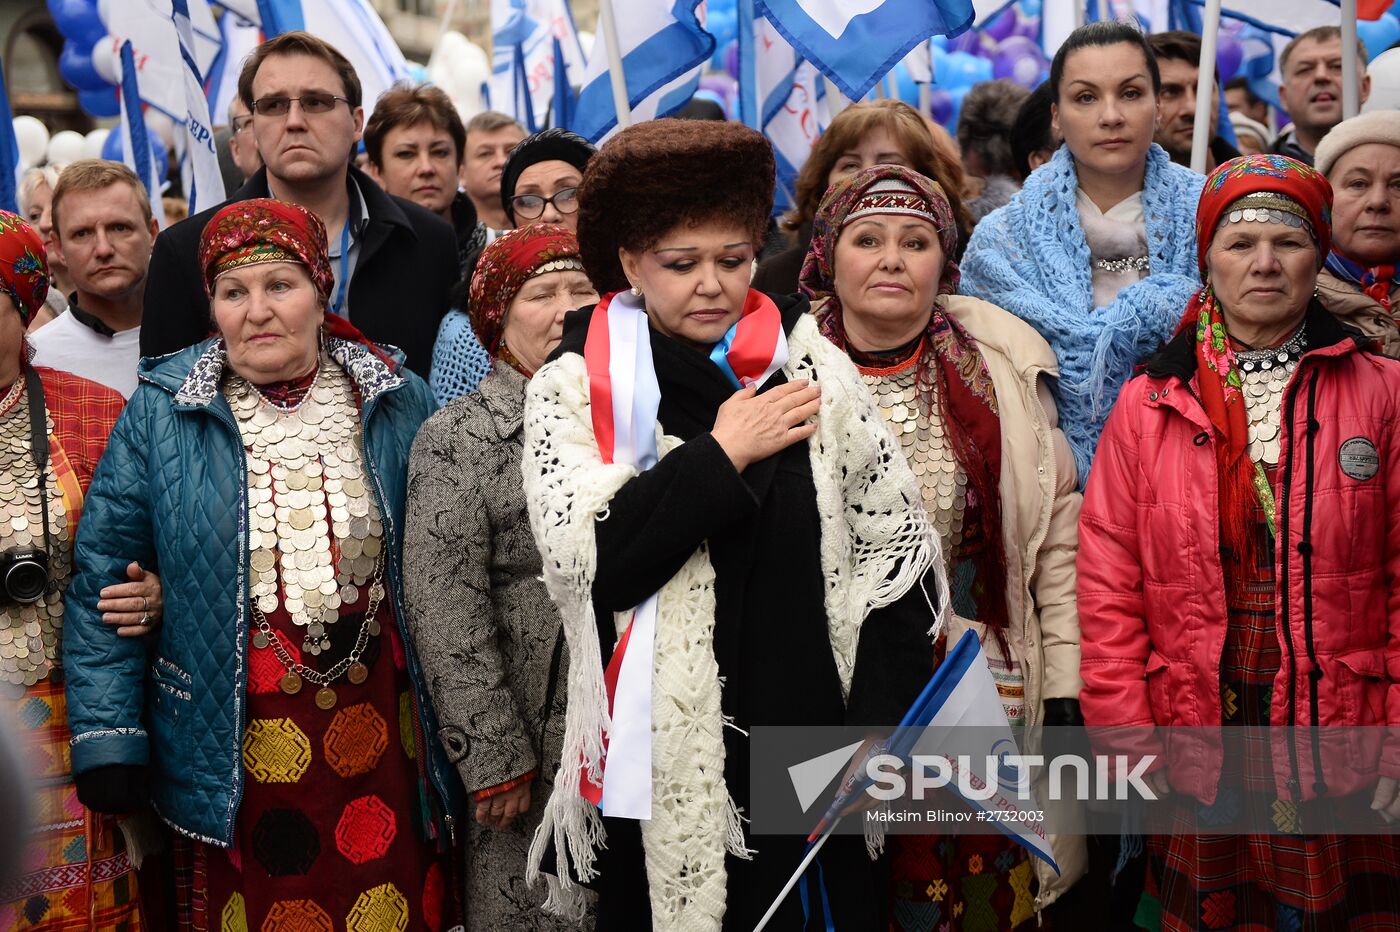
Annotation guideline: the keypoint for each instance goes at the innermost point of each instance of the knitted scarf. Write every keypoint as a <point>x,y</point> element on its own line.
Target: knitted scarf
<point>952,378</point>
<point>1376,282</point>
<point>1030,257</point>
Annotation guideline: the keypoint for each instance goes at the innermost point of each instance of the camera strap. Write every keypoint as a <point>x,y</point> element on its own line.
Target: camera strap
<point>39,441</point>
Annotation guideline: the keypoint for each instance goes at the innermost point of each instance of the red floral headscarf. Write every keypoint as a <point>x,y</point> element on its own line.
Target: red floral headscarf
<point>24,266</point>
<point>265,230</point>
<point>504,268</point>
<point>1285,190</point>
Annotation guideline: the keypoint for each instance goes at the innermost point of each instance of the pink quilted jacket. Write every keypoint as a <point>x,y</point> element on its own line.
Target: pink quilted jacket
<point>1151,584</point>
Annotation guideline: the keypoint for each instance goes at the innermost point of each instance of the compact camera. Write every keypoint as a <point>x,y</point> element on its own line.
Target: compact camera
<point>24,571</point>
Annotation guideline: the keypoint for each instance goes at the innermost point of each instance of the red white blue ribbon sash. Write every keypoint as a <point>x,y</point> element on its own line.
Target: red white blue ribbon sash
<point>624,397</point>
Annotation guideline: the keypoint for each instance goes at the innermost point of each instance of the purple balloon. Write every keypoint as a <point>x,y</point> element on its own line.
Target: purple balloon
<point>1001,25</point>
<point>969,42</point>
<point>942,104</point>
<point>1229,53</point>
<point>731,61</point>
<point>1019,59</point>
<point>1027,26</point>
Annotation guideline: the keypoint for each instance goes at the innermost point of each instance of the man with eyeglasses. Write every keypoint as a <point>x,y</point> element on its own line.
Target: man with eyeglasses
<point>394,262</point>
<point>240,141</point>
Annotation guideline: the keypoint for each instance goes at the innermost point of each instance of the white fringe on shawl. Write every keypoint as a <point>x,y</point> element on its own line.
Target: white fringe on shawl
<point>876,544</point>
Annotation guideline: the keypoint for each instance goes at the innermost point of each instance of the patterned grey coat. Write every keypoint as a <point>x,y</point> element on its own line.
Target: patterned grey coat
<point>485,632</point>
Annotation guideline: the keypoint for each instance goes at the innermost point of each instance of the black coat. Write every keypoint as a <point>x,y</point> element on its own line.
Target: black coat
<point>770,637</point>
<point>399,290</point>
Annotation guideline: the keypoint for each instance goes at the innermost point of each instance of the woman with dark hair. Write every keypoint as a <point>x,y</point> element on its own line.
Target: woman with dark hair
<point>966,389</point>
<point>1238,566</point>
<point>984,136</point>
<point>539,184</point>
<point>277,720</point>
<point>697,451</point>
<point>488,636</point>
<point>877,132</point>
<point>1095,251</point>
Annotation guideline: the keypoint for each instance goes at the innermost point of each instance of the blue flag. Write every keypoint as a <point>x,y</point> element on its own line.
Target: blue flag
<point>857,42</point>
<point>10,168</point>
<point>663,47</point>
<point>565,103</point>
<point>136,137</point>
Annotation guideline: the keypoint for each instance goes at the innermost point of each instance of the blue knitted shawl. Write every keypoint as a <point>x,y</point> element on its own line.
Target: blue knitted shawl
<point>1030,257</point>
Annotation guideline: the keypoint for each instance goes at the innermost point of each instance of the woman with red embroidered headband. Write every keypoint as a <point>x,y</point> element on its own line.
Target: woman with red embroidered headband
<point>487,633</point>
<point>966,389</point>
<point>731,536</point>
<point>76,866</point>
<point>1239,565</point>
<point>279,712</point>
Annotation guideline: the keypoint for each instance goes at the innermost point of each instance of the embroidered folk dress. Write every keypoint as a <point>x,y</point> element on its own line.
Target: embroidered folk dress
<point>77,873</point>
<point>967,882</point>
<point>327,838</point>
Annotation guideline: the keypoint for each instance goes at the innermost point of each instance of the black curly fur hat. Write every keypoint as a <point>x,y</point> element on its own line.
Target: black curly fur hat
<point>661,174</point>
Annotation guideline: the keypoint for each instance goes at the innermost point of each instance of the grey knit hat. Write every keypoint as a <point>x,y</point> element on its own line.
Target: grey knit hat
<point>1377,126</point>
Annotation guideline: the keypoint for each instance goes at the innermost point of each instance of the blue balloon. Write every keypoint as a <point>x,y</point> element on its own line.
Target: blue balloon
<point>1032,7</point>
<point>963,70</point>
<point>100,103</point>
<point>115,149</point>
<point>77,69</point>
<point>78,21</point>
<point>1379,34</point>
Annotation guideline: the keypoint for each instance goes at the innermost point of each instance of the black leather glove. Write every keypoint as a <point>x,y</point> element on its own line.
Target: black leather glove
<point>115,789</point>
<point>1062,712</point>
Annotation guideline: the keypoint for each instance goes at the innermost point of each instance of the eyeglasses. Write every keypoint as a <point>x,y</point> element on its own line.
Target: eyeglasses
<point>310,103</point>
<point>531,206</point>
<point>241,123</point>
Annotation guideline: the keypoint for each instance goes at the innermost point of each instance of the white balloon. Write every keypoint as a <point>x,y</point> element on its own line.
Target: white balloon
<point>65,147</point>
<point>104,60</point>
<point>33,138</point>
<point>459,66</point>
<point>93,143</point>
<point>1384,70</point>
<point>163,125</point>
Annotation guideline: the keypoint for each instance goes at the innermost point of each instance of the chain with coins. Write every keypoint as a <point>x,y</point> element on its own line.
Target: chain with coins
<point>924,440</point>
<point>307,489</point>
<point>1265,375</point>
<point>30,635</point>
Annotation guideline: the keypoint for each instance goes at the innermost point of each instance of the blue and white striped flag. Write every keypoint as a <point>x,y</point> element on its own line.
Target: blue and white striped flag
<point>148,25</point>
<point>10,168</point>
<point>199,162</point>
<point>790,114</point>
<point>136,137</point>
<point>857,42</point>
<point>525,36</point>
<point>240,36</point>
<point>663,46</point>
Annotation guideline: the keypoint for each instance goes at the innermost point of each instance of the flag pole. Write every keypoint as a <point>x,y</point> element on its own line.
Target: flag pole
<point>1351,63</point>
<point>797,875</point>
<point>616,76</point>
<point>1205,83</point>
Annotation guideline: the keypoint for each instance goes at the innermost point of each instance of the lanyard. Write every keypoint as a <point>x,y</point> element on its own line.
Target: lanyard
<point>343,284</point>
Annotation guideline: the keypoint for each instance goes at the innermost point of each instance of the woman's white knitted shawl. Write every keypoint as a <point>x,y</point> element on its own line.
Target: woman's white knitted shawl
<point>876,544</point>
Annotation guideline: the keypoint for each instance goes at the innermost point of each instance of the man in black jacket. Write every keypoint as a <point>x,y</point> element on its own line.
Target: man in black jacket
<point>399,259</point>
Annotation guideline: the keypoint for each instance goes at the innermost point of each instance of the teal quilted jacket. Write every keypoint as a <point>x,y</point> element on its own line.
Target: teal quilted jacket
<point>170,493</point>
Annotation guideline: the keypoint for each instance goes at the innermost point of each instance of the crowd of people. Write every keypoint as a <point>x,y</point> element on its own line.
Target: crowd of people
<point>334,514</point>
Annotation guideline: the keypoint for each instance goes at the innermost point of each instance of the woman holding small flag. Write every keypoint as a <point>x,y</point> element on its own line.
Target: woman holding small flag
<point>488,636</point>
<point>965,388</point>
<point>731,535</point>
<point>1238,565</point>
